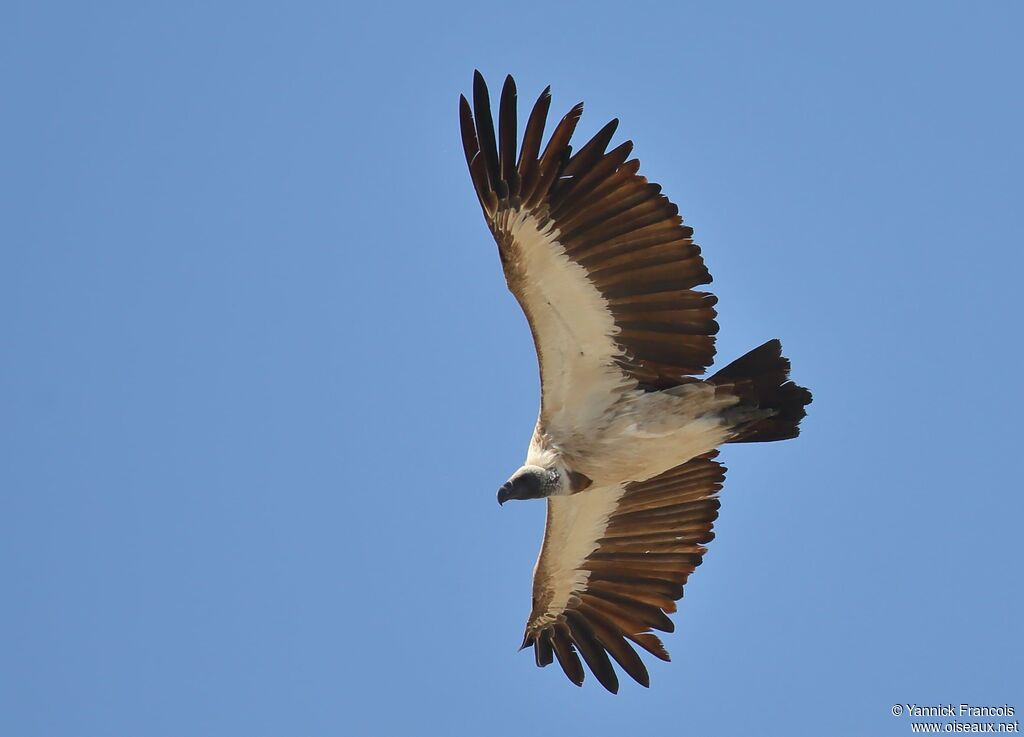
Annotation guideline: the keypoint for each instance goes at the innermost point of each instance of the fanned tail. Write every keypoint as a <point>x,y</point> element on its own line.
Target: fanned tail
<point>761,380</point>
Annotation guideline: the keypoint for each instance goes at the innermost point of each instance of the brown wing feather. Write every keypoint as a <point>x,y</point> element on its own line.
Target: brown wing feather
<point>651,544</point>
<point>507,136</point>
<point>612,221</point>
<point>532,139</point>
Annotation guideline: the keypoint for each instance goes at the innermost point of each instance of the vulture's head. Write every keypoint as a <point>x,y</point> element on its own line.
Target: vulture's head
<point>535,482</point>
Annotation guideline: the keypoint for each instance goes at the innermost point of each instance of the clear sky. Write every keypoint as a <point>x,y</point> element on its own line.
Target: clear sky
<point>260,376</point>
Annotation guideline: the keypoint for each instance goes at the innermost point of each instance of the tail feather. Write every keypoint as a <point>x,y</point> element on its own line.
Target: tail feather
<point>761,380</point>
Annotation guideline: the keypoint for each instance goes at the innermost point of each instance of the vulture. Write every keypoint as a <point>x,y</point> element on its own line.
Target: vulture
<point>625,445</point>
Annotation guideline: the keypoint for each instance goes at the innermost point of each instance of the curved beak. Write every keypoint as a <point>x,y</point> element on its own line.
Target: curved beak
<point>504,494</point>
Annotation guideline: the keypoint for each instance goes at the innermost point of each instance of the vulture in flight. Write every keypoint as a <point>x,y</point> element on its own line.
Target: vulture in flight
<point>626,440</point>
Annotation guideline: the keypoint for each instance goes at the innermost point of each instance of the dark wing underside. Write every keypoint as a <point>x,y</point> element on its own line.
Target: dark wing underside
<point>652,543</point>
<point>610,220</point>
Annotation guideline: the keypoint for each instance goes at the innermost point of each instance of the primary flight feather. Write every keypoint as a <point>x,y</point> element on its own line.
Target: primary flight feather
<point>625,444</point>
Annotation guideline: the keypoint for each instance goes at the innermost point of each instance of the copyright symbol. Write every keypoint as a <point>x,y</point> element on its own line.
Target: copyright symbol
<point>897,709</point>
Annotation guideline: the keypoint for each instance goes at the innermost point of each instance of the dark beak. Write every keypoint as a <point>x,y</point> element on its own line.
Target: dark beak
<point>504,494</point>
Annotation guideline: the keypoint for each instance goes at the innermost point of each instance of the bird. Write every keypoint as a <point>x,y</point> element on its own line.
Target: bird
<point>625,446</point>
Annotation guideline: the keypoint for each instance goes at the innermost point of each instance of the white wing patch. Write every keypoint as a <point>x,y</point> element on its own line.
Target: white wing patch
<point>573,327</point>
<point>575,523</point>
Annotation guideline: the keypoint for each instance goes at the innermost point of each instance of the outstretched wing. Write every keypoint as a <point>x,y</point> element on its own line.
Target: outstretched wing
<point>613,564</point>
<point>597,257</point>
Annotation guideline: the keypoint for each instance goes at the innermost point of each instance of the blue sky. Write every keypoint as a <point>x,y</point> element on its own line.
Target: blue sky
<point>260,376</point>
